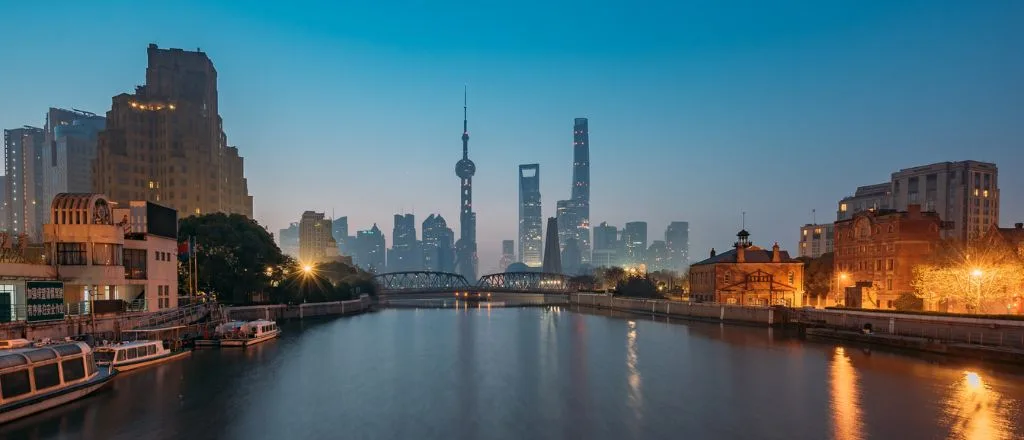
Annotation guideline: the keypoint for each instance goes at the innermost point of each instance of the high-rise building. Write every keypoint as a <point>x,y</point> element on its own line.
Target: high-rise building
<point>71,137</point>
<point>23,162</point>
<point>315,240</point>
<point>816,240</point>
<point>530,220</point>
<point>288,240</point>
<point>552,255</point>
<point>606,246</point>
<point>964,194</point>
<point>3,204</point>
<point>340,234</point>
<point>877,196</point>
<point>438,245</point>
<point>370,250</point>
<point>405,254</point>
<point>165,143</point>
<point>465,248</point>
<point>508,254</point>
<point>634,243</point>
<point>568,213</point>
<point>581,185</point>
<point>657,256</point>
<point>677,240</point>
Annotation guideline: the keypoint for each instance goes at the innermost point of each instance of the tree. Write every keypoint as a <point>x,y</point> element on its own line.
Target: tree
<point>908,302</point>
<point>974,278</point>
<point>583,282</point>
<point>637,286</point>
<point>611,276</point>
<point>818,275</point>
<point>236,257</point>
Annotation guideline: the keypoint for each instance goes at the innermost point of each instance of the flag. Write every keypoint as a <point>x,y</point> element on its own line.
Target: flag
<point>187,249</point>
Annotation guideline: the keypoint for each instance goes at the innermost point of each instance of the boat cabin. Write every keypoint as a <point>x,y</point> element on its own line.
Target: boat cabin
<point>130,352</point>
<point>26,373</point>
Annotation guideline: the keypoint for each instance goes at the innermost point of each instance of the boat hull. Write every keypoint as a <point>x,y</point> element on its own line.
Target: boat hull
<point>248,341</point>
<point>56,398</point>
<point>158,360</point>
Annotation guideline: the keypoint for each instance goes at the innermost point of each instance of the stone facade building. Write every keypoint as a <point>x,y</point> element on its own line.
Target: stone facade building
<point>748,275</point>
<point>876,251</point>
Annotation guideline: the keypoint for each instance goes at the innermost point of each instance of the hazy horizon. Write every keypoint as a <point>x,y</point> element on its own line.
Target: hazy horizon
<point>697,112</point>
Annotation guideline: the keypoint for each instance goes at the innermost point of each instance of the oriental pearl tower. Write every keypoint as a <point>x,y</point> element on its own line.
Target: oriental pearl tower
<point>465,247</point>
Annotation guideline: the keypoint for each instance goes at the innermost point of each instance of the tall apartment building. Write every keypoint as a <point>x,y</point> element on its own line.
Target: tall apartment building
<point>70,139</point>
<point>634,243</point>
<point>964,194</point>
<point>370,249</point>
<point>23,162</point>
<point>315,240</point>
<point>677,240</point>
<point>877,196</point>
<point>288,240</point>
<point>816,240</point>
<point>606,246</point>
<point>530,221</point>
<point>166,142</point>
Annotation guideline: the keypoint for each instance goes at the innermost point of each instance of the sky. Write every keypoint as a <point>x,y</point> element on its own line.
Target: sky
<point>699,110</point>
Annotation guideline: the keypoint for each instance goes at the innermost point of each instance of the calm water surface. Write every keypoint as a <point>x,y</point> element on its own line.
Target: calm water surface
<point>541,374</point>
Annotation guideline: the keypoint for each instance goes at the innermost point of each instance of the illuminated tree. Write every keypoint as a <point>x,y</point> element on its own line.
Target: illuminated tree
<point>976,278</point>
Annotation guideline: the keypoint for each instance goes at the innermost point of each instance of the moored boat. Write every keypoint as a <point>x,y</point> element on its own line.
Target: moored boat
<point>40,378</point>
<point>249,333</point>
<point>137,354</point>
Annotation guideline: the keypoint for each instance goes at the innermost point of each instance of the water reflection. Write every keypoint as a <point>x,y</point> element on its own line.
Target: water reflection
<point>846,418</point>
<point>633,378</point>
<point>976,410</point>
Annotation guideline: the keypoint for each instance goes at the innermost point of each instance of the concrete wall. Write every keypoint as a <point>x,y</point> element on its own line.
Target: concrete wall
<point>70,326</point>
<point>310,310</point>
<point>999,332</point>
<point>714,312</point>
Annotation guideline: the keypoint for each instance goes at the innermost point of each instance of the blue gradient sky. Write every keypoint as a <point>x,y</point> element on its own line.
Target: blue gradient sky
<point>698,111</point>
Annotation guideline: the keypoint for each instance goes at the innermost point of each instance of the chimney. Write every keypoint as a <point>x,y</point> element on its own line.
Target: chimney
<point>776,258</point>
<point>1018,226</point>
<point>741,254</point>
<point>712,252</point>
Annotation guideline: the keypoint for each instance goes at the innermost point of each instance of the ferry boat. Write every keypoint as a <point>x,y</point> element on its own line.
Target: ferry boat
<point>137,354</point>
<point>249,333</point>
<point>40,378</point>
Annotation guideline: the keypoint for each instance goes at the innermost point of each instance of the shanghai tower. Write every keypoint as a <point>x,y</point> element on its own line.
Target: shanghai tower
<point>581,185</point>
<point>465,248</point>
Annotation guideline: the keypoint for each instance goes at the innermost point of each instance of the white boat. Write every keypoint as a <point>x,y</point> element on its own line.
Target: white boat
<point>40,378</point>
<point>249,333</point>
<point>137,354</point>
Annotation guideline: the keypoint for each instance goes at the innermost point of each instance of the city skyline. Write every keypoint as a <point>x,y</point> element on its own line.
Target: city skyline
<point>912,99</point>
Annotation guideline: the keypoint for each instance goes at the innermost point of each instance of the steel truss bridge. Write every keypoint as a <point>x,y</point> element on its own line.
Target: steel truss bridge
<point>425,282</point>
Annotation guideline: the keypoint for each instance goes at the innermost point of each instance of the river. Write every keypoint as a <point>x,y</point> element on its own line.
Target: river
<point>542,373</point>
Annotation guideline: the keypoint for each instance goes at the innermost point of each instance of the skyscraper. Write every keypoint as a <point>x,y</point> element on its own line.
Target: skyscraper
<point>581,185</point>
<point>315,240</point>
<point>370,250</point>
<point>165,142</point>
<point>405,254</point>
<point>606,245</point>
<point>340,234</point>
<point>508,254</point>
<point>466,258</point>
<point>23,167</point>
<point>552,255</point>
<point>530,221</point>
<point>438,245</point>
<point>288,240</point>
<point>634,242</point>
<point>677,240</point>
<point>657,256</point>
<point>71,137</point>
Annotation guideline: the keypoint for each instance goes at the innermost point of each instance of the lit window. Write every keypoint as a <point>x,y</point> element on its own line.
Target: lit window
<point>842,207</point>
<point>197,211</point>
<point>986,193</point>
<point>151,184</point>
<point>975,192</point>
<point>805,232</point>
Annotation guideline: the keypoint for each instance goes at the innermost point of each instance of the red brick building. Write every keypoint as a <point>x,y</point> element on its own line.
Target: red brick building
<point>748,275</point>
<point>878,249</point>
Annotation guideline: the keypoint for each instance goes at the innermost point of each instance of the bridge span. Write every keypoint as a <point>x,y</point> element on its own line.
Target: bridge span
<point>426,284</point>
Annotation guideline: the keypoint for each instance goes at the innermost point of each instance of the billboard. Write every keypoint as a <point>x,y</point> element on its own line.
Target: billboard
<point>162,221</point>
<point>45,300</point>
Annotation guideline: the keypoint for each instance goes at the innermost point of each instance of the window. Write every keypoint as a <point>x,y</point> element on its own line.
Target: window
<point>120,355</point>
<point>842,207</point>
<point>91,364</point>
<point>888,284</point>
<point>152,349</point>
<point>47,376</point>
<point>15,384</point>
<point>74,369</point>
<point>792,278</point>
<point>106,254</point>
<point>135,264</point>
<point>71,254</point>
<point>133,353</point>
<point>891,264</point>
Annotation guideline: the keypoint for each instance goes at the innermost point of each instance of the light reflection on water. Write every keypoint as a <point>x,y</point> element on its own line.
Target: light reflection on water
<point>845,397</point>
<point>977,411</point>
<point>636,398</point>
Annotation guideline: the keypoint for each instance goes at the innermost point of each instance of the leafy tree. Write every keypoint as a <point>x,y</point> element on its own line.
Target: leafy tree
<point>819,275</point>
<point>583,282</point>
<point>611,276</point>
<point>976,278</point>
<point>908,302</point>
<point>637,286</point>
<point>236,257</point>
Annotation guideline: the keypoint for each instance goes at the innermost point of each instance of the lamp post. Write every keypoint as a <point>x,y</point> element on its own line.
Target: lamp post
<point>842,276</point>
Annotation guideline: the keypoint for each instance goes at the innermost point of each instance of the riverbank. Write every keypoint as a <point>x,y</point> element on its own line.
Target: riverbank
<point>277,312</point>
<point>927,345</point>
<point>745,315</point>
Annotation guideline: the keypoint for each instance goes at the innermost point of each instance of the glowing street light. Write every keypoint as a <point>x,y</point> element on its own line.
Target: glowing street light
<point>307,269</point>
<point>977,273</point>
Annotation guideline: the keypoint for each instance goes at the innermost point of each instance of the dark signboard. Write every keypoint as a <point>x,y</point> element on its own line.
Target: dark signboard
<point>162,221</point>
<point>45,300</point>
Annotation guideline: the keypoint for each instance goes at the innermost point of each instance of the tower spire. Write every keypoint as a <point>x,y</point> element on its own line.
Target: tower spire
<point>465,122</point>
